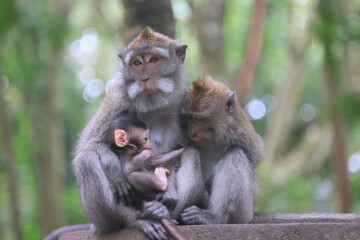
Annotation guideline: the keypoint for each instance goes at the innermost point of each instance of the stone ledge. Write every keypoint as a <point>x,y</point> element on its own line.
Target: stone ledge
<point>277,226</point>
<point>329,231</point>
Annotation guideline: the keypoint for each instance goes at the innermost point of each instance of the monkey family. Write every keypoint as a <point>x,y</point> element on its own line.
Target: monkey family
<point>214,179</point>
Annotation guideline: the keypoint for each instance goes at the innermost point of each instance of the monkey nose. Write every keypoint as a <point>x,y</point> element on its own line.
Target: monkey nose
<point>145,79</point>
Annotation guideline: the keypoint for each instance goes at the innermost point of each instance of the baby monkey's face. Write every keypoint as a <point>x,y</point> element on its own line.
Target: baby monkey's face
<point>138,138</point>
<point>144,140</point>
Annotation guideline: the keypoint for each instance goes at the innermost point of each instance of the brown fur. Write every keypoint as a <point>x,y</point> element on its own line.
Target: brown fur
<point>148,37</point>
<point>206,92</point>
<point>230,151</point>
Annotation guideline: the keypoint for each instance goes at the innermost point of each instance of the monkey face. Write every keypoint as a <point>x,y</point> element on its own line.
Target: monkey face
<point>146,67</point>
<point>153,71</point>
<point>140,138</point>
<point>152,78</point>
<point>200,128</point>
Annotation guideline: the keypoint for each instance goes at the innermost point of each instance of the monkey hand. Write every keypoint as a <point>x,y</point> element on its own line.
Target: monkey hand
<point>153,229</point>
<point>195,215</point>
<point>155,210</point>
<point>169,200</point>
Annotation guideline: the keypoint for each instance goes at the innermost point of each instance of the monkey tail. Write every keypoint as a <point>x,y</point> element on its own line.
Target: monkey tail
<point>55,235</point>
<point>171,229</point>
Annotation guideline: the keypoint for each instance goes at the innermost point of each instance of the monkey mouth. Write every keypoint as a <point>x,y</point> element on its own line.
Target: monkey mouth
<point>149,92</point>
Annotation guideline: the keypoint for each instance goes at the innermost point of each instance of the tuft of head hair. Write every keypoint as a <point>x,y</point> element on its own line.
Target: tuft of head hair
<point>203,92</point>
<point>149,37</point>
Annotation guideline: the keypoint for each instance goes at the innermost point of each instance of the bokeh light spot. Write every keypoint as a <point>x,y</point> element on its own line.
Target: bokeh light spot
<point>256,109</point>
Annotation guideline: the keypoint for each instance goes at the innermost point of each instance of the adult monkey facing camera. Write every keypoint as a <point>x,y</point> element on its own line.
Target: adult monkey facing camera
<point>230,152</point>
<point>153,85</point>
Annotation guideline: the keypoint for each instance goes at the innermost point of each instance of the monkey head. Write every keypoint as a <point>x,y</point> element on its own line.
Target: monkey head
<point>135,137</point>
<point>212,113</point>
<point>128,130</point>
<point>152,73</point>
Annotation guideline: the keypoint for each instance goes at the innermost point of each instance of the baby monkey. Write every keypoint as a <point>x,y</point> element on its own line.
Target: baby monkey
<point>129,138</point>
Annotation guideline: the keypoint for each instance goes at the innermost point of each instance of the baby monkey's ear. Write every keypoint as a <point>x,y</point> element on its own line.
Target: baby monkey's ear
<point>121,139</point>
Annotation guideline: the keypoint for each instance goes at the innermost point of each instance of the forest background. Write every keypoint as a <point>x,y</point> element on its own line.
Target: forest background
<point>295,65</point>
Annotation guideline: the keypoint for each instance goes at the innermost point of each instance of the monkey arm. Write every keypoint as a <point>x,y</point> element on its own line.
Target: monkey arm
<point>111,165</point>
<point>138,161</point>
<point>233,192</point>
<point>163,158</point>
<point>97,194</point>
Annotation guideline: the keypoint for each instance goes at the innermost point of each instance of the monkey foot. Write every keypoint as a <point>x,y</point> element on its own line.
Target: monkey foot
<point>161,173</point>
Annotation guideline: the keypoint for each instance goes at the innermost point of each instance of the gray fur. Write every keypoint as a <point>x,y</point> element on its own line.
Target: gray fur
<point>228,162</point>
<point>98,170</point>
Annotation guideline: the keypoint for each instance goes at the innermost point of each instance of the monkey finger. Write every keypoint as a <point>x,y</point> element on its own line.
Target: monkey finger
<point>155,210</point>
<point>190,209</point>
<point>152,234</point>
<point>159,213</point>
<point>160,230</point>
<point>189,214</point>
<point>147,227</point>
<point>174,222</point>
<point>190,218</point>
<point>191,221</point>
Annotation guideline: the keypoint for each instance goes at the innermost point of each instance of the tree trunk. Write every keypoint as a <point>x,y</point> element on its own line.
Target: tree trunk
<point>339,143</point>
<point>279,123</point>
<point>52,162</point>
<point>253,53</point>
<point>51,159</point>
<point>141,13</point>
<point>208,19</point>
<point>330,15</point>
<point>11,166</point>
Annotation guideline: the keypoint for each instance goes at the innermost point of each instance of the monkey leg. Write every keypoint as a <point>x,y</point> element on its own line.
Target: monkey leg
<point>161,174</point>
<point>146,182</point>
<point>189,181</point>
<point>231,199</point>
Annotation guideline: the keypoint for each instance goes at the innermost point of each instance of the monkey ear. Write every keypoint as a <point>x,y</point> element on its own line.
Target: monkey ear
<point>230,104</point>
<point>122,55</point>
<point>181,52</point>
<point>121,138</point>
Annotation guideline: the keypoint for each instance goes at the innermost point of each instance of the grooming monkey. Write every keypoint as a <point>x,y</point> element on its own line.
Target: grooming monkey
<point>153,85</point>
<point>230,152</point>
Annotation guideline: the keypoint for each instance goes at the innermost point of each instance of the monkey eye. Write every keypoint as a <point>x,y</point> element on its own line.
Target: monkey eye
<point>153,59</point>
<point>199,118</point>
<point>137,62</point>
<point>146,138</point>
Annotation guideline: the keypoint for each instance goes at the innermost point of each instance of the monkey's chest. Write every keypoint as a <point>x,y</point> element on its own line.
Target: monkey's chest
<point>163,140</point>
<point>164,133</point>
